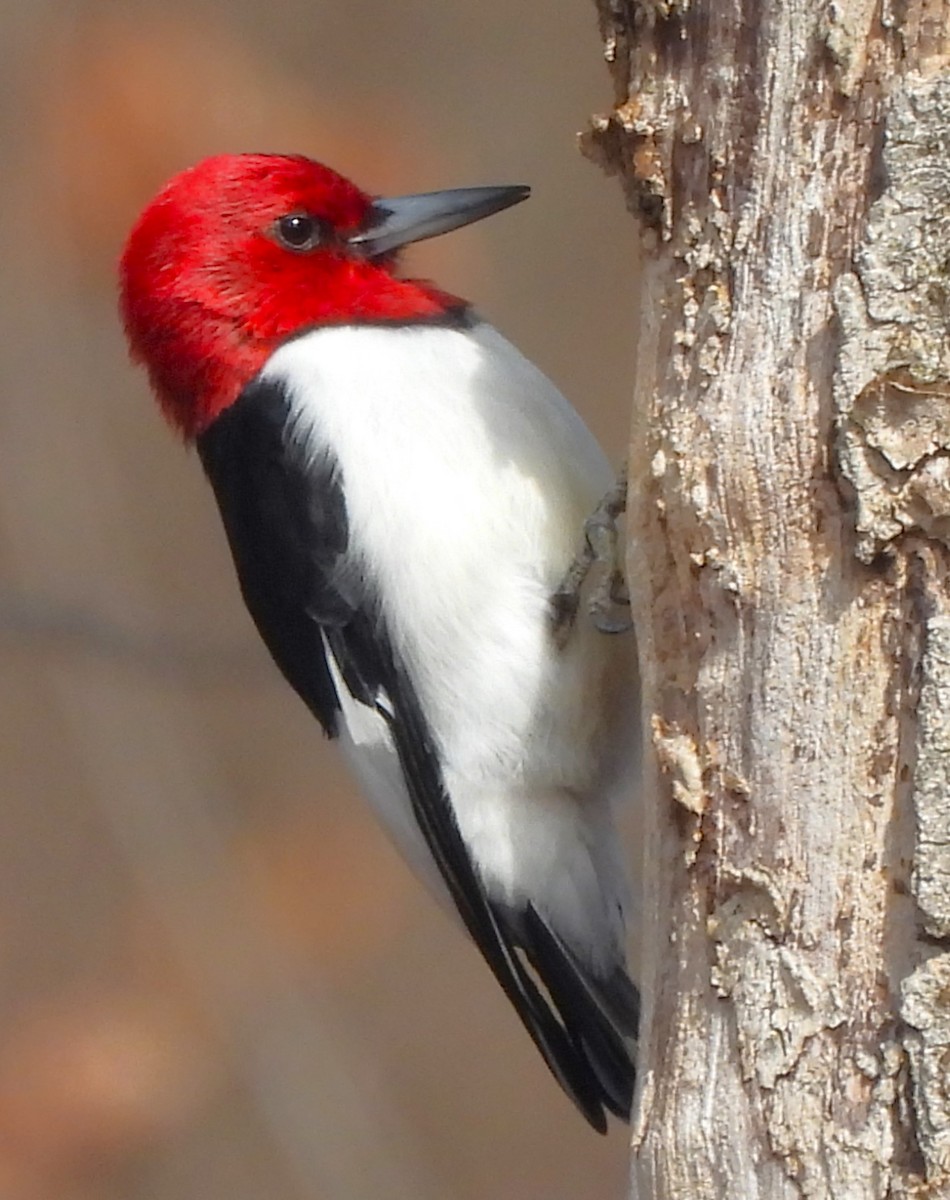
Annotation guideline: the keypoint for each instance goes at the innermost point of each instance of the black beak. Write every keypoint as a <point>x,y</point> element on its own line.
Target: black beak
<point>394,223</point>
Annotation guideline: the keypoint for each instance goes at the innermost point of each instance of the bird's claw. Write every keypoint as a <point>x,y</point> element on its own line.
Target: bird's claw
<point>609,601</point>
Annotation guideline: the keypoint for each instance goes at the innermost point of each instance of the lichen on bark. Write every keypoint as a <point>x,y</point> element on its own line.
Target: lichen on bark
<point>892,388</point>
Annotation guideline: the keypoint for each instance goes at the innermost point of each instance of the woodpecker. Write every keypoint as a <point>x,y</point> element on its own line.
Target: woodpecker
<point>402,492</point>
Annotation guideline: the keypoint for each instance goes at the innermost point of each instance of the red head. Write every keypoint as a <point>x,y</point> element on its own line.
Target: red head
<point>241,251</point>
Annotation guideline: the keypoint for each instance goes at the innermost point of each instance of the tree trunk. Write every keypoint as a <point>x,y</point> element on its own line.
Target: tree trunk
<point>789,520</point>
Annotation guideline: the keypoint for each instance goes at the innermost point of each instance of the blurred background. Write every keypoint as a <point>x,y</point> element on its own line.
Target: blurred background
<point>216,979</point>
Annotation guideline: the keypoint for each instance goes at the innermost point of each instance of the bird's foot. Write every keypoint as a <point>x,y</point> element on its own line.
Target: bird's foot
<point>599,557</point>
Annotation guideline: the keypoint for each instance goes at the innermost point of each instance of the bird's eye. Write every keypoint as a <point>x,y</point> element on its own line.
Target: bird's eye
<point>298,231</point>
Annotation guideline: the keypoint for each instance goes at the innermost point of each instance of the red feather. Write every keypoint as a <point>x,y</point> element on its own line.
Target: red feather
<point>208,293</point>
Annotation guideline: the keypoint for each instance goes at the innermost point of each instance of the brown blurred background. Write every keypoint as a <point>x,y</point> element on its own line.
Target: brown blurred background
<point>217,979</point>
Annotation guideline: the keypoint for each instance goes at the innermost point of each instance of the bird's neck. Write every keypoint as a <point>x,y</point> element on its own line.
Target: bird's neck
<point>214,355</point>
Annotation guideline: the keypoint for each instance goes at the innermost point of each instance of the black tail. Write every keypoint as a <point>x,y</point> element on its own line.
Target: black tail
<point>600,1015</point>
<point>583,1026</point>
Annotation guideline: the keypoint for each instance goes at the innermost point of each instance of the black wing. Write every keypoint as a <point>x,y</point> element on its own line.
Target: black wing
<point>282,504</point>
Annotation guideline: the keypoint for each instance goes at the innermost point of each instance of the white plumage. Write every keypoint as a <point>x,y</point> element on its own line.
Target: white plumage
<point>467,478</point>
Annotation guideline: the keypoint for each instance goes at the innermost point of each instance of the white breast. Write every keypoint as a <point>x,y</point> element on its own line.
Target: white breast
<point>467,478</point>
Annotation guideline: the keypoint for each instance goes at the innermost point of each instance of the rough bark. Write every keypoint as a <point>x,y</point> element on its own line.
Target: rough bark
<point>789,516</point>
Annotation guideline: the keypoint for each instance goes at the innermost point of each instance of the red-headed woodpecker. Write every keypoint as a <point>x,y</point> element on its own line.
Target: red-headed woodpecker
<point>402,492</point>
